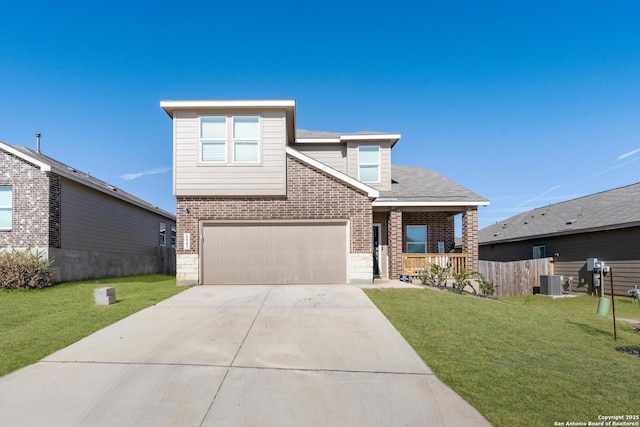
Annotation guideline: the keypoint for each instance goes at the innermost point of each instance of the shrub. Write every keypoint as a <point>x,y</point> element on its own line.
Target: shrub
<point>26,269</point>
<point>462,280</point>
<point>436,275</point>
<point>486,288</point>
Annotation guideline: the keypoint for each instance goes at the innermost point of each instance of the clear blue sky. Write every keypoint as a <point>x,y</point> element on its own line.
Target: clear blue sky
<point>526,103</point>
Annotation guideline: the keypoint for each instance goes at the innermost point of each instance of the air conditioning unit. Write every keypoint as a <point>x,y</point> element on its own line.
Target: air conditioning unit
<point>551,285</point>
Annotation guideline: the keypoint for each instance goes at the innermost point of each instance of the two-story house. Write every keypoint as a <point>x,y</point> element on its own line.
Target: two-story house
<point>261,202</point>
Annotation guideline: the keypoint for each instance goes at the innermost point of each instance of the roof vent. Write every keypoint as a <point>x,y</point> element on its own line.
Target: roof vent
<point>38,143</point>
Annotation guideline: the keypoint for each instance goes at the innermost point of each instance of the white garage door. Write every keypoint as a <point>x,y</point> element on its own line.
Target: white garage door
<point>274,253</point>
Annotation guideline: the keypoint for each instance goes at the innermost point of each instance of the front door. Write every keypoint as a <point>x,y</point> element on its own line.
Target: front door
<point>376,250</point>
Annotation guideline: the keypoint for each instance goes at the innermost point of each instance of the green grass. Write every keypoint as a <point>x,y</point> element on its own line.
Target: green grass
<point>522,360</point>
<point>35,323</point>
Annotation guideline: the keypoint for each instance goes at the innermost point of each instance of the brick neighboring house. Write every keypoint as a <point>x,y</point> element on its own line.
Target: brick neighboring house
<point>261,202</point>
<point>89,228</point>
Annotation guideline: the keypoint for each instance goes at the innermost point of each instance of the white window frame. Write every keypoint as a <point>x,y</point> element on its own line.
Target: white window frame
<point>219,140</point>
<point>378,163</point>
<point>426,239</point>
<point>229,140</point>
<point>246,140</point>
<point>8,208</point>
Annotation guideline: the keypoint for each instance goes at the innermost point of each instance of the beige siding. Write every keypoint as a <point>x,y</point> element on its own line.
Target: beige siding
<point>193,178</point>
<point>385,163</point>
<point>332,155</point>
<point>93,221</point>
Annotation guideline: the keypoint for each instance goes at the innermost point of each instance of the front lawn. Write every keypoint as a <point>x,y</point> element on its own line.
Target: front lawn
<point>525,360</point>
<point>35,323</point>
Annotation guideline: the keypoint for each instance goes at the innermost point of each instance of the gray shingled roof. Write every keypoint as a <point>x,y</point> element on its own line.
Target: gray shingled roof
<point>617,208</point>
<point>413,184</point>
<point>301,133</point>
<point>82,177</point>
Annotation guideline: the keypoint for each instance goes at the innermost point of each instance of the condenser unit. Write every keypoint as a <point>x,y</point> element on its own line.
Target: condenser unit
<point>551,285</point>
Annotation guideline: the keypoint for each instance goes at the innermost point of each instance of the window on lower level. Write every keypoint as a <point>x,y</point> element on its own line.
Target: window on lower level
<point>163,234</point>
<point>6,207</point>
<point>416,239</point>
<point>173,236</point>
<point>539,252</point>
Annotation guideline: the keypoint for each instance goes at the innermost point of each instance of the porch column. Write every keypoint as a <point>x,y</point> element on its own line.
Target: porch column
<point>470,237</point>
<point>394,237</point>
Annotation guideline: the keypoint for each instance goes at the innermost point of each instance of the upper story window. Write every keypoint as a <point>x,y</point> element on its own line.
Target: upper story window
<point>369,163</point>
<point>213,138</point>
<point>246,139</point>
<point>235,137</point>
<point>6,207</point>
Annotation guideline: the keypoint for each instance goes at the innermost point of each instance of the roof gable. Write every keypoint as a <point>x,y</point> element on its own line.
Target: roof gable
<point>371,192</point>
<point>607,210</point>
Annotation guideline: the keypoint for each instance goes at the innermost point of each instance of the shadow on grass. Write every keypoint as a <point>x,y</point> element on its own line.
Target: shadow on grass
<point>588,329</point>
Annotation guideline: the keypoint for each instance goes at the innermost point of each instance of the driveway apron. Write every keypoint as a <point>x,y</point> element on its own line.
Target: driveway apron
<point>307,355</point>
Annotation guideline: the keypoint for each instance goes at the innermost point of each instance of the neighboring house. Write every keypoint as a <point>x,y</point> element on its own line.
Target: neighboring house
<point>89,228</point>
<point>261,202</point>
<point>604,225</point>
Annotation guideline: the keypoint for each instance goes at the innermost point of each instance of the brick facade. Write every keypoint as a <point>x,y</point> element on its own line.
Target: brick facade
<point>470,237</point>
<point>30,191</point>
<point>440,228</point>
<point>394,230</point>
<point>311,194</point>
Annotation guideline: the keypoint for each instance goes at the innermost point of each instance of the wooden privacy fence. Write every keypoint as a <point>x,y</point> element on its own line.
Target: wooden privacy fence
<point>516,277</point>
<point>415,264</point>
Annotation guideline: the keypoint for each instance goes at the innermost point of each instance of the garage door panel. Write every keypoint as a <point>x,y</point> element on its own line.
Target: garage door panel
<point>274,253</point>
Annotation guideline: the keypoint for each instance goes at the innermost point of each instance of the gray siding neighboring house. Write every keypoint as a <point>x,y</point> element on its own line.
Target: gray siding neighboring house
<point>300,206</point>
<point>88,227</point>
<point>604,225</point>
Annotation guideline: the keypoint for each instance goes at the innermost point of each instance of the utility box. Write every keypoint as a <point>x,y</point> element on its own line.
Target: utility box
<point>551,285</point>
<point>591,263</point>
<point>104,296</point>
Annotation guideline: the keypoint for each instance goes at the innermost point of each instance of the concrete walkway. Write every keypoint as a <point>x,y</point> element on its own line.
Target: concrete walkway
<point>238,356</point>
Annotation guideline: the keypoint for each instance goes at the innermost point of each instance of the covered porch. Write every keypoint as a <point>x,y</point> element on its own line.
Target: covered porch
<point>407,240</point>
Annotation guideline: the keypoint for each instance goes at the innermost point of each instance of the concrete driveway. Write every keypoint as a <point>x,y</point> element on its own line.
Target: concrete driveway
<point>238,356</point>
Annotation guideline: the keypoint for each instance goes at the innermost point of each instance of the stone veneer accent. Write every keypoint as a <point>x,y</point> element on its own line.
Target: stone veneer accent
<point>30,188</point>
<point>311,194</point>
